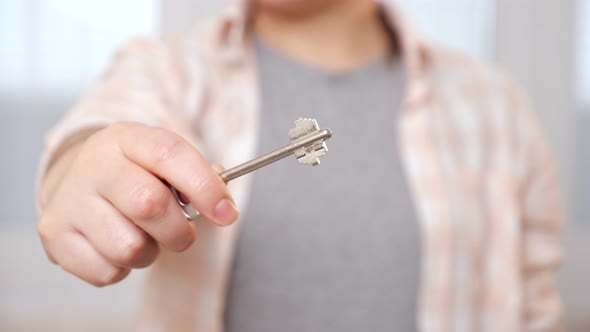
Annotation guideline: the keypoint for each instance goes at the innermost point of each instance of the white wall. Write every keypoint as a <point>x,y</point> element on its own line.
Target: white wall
<point>468,25</point>
<point>535,42</point>
<point>179,15</point>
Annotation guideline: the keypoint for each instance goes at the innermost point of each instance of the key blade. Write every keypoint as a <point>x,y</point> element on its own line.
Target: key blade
<point>278,154</point>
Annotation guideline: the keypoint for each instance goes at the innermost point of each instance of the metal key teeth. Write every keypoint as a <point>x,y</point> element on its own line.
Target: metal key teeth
<point>303,126</point>
<point>311,155</point>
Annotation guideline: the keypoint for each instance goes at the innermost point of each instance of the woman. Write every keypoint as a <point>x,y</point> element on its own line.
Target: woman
<point>436,208</point>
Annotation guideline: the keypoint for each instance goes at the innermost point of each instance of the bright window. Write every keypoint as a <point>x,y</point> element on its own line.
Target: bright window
<point>583,53</point>
<point>57,46</point>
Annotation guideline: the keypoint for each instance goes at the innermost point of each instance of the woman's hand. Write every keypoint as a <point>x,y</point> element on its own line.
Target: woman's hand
<point>109,211</point>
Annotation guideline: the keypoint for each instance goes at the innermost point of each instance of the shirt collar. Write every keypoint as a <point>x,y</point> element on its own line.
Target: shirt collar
<point>415,52</point>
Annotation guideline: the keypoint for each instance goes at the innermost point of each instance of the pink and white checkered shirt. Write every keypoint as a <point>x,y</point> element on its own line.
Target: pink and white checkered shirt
<point>478,166</point>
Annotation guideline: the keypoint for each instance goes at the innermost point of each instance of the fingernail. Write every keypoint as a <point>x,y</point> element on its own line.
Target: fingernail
<point>226,212</point>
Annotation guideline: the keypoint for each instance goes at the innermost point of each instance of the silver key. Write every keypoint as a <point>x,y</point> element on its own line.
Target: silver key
<point>307,142</point>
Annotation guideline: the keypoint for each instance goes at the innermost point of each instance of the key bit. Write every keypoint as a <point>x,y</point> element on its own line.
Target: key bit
<point>309,155</point>
<point>303,126</point>
<point>307,142</point>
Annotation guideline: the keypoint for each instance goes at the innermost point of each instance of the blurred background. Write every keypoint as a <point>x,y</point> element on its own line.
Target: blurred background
<point>51,50</point>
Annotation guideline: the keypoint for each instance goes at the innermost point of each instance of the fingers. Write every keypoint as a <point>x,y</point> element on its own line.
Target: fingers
<point>111,210</point>
<point>117,238</point>
<point>172,158</point>
<point>148,203</point>
<point>217,168</point>
<point>76,255</point>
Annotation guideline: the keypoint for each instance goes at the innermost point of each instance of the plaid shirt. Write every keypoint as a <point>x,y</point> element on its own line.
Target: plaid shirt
<point>480,172</point>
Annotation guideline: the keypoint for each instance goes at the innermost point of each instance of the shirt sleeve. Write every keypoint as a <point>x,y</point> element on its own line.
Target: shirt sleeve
<point>542,221</point>
<point>145,83</point>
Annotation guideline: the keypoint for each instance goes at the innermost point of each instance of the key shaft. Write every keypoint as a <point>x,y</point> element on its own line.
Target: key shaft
<point>303,142</point>
<point>278,154</point>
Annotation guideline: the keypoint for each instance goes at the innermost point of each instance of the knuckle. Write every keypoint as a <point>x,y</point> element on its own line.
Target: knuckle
<point>120,126</point>
<point>188,242</point>
<point>117,131</point>
<point>109,276</point>
<point>132,249</point>
<point>43,228</point>
<point>150,202</point>
<point>183,239</point>
<point>44,235</point>
<point>167,146</point>
<point>105,138</point>
<point>202,183</point>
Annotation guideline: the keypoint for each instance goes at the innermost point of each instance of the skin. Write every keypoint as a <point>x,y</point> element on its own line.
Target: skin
<point>300,29</point>
<point>106,209</point>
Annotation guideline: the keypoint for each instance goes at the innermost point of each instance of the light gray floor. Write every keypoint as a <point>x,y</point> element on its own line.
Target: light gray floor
<point>38,296</point>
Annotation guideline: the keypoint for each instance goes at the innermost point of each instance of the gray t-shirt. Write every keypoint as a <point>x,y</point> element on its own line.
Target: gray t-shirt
<point>334,247</point>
